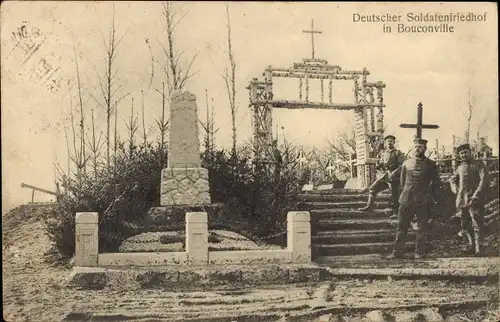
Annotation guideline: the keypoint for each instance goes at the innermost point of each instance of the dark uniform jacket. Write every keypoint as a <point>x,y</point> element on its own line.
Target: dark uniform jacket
<point>470,180</point>
<point>419,182</point>
<point>391,160</point>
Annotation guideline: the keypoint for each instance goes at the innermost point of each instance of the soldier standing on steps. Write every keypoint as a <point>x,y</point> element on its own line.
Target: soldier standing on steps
<point>470,181</point>
<point>389,163</point>
<point>420,182</point>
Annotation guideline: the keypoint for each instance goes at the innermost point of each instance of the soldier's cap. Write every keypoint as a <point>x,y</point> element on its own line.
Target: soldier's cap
<point>462,147</point>
<point>420,141</point>
<point>390,137</point>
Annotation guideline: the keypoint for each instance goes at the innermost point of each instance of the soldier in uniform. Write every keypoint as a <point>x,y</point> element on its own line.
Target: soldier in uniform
<point>420,189</point>
<point>389,165</point>
<point>469,182</point>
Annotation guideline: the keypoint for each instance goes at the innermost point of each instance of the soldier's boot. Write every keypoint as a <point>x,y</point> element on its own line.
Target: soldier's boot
<point>369,204</point>
<point>395,255</point>
<point>478,244</point>
<point>470,248</point>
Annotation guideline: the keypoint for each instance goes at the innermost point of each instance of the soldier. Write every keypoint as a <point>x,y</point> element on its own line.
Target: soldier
<point>469,182</point>
<point>389,164</point>
<point>420,182</point>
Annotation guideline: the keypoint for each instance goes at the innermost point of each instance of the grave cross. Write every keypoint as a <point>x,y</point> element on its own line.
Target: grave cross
<point>330,168</point>
<point>419,125</point>
<point>312,32</point>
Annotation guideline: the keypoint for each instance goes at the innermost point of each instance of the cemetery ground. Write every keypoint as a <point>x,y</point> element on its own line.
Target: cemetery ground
<point>35,291</point>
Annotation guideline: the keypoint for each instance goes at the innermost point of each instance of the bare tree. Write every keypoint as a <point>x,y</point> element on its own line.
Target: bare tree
<point>132,128</point>
<point>230,80</point>
<point>109,82</point>
<point>208,128</point>
<point>162,124</point>
<point>176,74</point>
<point>77,157</point>
<point>145,133</point>
<point>344,145</point>
<point>95,145</point>
<point>470,110</point>
<point>82,156</point>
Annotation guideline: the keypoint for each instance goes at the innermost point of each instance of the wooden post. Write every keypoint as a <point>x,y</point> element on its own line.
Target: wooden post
<point>322,100</point>
<point>307,88</point>
<point>330,88</point>
<point>32,195</point>
<point>300,88</point>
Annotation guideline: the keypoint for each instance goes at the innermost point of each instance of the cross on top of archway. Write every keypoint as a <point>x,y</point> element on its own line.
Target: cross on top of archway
<point>312,32</point>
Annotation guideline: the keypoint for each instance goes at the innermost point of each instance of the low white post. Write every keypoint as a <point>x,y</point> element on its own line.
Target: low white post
<point>197,238</point>
<point>299,236</point>
<point>87,239</point>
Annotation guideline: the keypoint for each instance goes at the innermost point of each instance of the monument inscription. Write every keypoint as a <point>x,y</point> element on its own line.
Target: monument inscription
<point>184,141</point>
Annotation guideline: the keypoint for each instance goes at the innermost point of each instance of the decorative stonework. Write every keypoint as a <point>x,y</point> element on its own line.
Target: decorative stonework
<point>188,186</point>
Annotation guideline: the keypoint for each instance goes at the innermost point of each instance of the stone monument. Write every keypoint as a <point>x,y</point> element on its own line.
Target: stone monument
<point>184,182</point>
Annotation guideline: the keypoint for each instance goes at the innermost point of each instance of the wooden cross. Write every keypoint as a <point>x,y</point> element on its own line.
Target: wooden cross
<point>419,125</point>
<point>312,32</point>
<point>330,168</point>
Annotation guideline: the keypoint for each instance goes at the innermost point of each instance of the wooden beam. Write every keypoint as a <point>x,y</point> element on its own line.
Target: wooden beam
<point>318,105</point>
<point>23,185</point>
<point>315,76</point>
<point>320,70</point>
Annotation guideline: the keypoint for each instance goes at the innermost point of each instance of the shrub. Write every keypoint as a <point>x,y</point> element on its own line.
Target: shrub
<point>256,199</point>
<point>120,193</point>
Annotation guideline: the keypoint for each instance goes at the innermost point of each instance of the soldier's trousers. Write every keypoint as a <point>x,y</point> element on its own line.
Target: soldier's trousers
<point>472,219</point>
<point>405,215</point>
<point>382,184</point>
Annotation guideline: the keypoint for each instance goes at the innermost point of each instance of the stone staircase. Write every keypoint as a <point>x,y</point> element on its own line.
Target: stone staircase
<point>339,228</point>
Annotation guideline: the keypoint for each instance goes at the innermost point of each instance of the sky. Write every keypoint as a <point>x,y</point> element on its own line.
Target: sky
<point>437,69</point>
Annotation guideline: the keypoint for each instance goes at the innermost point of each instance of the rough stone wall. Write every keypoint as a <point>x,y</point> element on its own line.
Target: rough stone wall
<point>184,186</point>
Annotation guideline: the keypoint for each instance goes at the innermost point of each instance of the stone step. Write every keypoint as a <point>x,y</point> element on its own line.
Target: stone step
<point>347,204</point>
<point>371,261</point>
<point>335,191</point>
<point>351,249</point>
<point>341,197</point>
<point>358,224</point>
<point>479,275</point>
<point>356,236</point>
<point>350,213</point>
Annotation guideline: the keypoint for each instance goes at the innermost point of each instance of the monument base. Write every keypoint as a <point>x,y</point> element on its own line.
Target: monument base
<point>184,186</point>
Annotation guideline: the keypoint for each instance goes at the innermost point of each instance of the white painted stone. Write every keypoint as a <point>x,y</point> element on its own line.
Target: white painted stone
<point>352,183</point>
<point>376,316</point>
<point>432,314</point>
<point>86,239</point>
<point>250,257</point>
<point>86,218</point>
<point>143,259</point>
<point>299,236</point>
<point>307,187</point>
<point>325,187</point>
<point>197,238</point>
